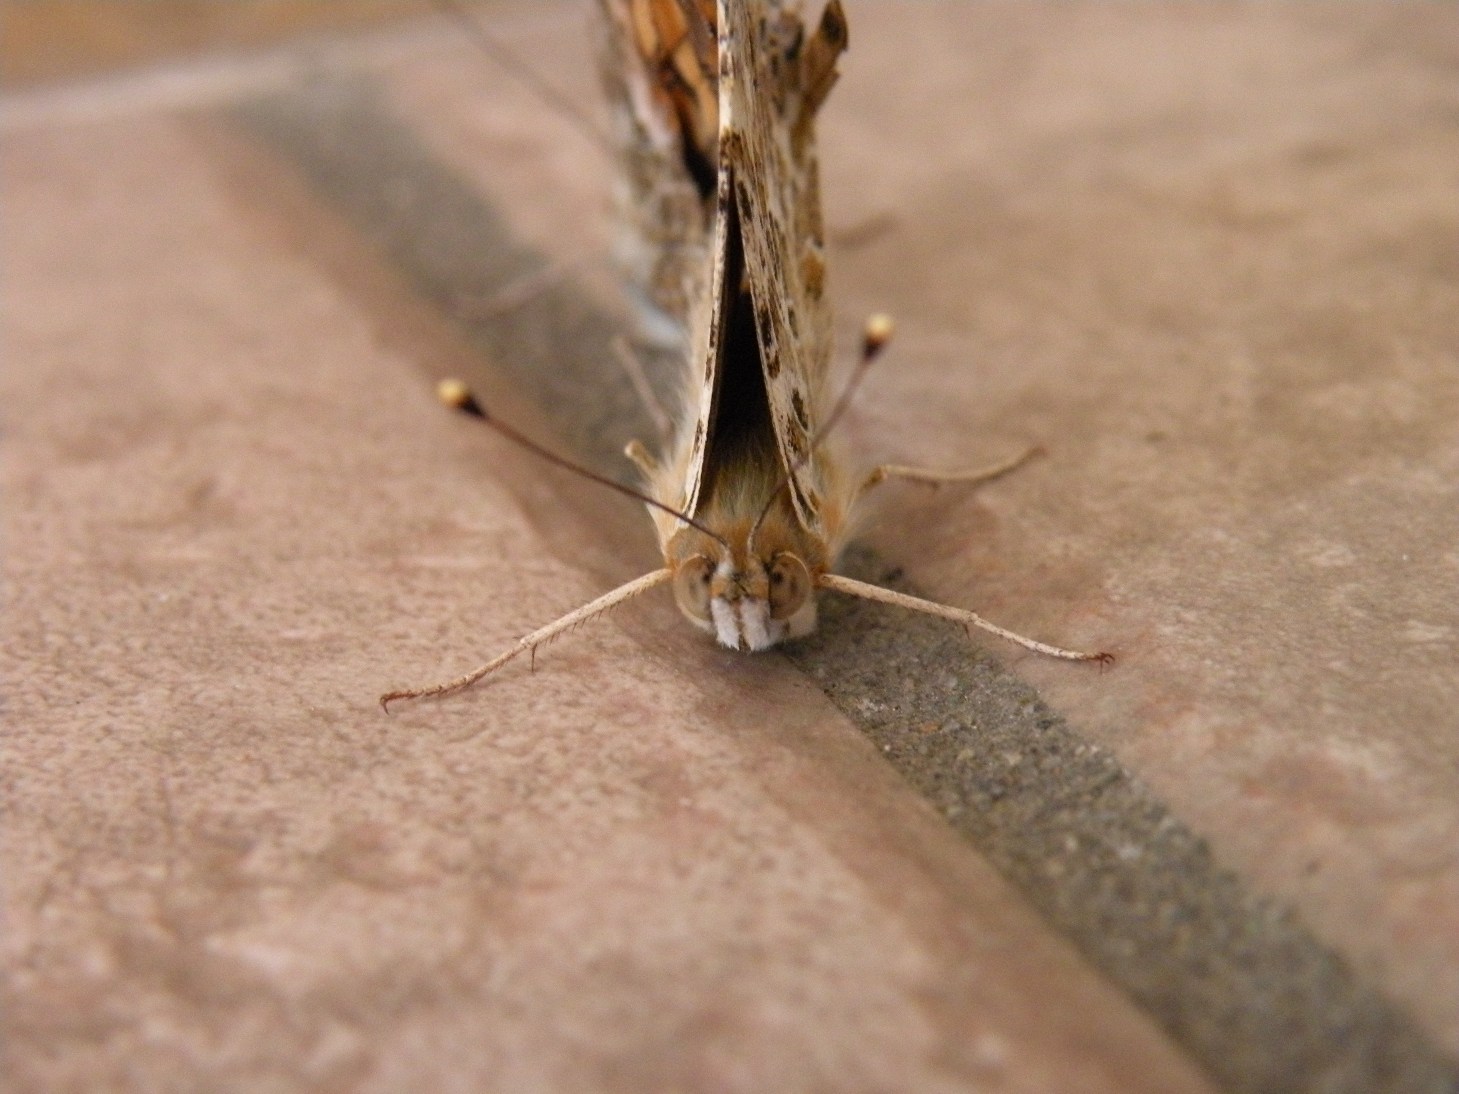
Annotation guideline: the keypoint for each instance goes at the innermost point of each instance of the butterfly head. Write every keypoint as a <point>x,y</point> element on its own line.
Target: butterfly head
<point>749,596</point>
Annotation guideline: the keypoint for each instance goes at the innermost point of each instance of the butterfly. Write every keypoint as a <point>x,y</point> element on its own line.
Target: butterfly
<point>715,105</point>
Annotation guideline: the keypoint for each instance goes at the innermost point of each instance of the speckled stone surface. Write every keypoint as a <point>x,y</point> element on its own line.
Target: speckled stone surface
<point>1205,256</point>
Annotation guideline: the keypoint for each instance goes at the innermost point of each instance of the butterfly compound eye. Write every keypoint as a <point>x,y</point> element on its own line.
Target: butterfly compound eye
<point>790,584</point>
<point>691,587</point>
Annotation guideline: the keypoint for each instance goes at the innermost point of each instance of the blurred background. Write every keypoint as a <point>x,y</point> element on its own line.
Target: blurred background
<point>44,41</point>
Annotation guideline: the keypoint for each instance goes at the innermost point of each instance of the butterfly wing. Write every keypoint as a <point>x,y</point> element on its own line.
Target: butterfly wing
<point>733,88</point>
<point>658,64</point>
<point>773,78</point>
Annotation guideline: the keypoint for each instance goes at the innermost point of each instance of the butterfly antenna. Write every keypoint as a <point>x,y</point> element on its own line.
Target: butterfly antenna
<point>458,396</point>
<point>874,337</point>
<point>522,72</point>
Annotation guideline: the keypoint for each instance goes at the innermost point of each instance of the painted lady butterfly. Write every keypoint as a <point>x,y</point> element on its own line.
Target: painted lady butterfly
<point>715,105</point>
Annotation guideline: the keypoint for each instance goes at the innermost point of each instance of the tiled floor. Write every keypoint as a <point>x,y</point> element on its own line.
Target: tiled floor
<point>1205,255</point>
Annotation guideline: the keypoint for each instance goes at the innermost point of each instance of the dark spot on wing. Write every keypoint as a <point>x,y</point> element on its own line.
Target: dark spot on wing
<point>795,40</point>
<point>768,345</point>
<point>746,198</point>
<point>832,29</point>
<point>796,441</point>
<point>731,145</point>
<point>797,403</point>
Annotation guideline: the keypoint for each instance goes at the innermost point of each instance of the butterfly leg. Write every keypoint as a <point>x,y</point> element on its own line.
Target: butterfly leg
<point>633,366</point>
<point>515,294</point>
<point>642,458</point>
<point>852,587</point>
<point>865,231</point>
<point>936,478</point>
<point>530,643</point>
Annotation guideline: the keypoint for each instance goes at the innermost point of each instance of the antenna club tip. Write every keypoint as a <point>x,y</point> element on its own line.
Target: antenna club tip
<point>452,392</point>
<point>456,395</point>
<point>877,332</point>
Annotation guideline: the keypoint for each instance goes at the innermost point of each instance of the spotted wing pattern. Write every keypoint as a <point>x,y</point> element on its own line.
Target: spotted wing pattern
<point>714,103</point>
<point>773,78</point>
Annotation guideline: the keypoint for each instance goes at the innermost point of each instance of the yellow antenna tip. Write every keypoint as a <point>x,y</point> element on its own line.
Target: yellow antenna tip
<point>877,332</point>
<point>453,393</point>
<point>457,396</point>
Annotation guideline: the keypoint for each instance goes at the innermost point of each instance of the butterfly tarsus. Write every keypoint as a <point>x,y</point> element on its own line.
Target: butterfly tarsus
<point>633,367</point>
<point>852,587</point>
<point>641,457</point>
<point>864,232</point>
<point>523,73</point>
<point>513,295</point>
<point>929,477</point>
<point>529,644</point>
